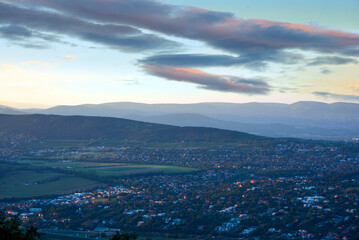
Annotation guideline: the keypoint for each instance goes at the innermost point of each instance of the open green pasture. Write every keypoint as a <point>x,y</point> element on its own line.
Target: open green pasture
<point>37,183</point>
<point>68,164</point>
<point>138,169</point>
<point>108,169</point>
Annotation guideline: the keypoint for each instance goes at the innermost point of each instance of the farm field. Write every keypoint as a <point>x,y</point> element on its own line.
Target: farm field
<point>108,169</point>
<point>138,169</point>
<point>35,183</point>
<point>68,164</point>
<point>35,178</point>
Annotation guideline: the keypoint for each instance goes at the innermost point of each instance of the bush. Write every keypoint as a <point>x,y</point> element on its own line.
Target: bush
<point>124,236</point>
<point>10,230</point>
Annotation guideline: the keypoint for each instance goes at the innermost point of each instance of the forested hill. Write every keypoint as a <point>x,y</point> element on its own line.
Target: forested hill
<point>85,128</point>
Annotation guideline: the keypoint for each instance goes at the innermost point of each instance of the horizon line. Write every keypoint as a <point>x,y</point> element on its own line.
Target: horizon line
<point>23,105</point>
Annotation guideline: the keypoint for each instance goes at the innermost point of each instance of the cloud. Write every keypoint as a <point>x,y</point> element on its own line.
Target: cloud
<point>209,81</point>
<point>129,44</point>
<point>254,61</point>
<point>352,52</point>
<point>287,89</point>
<point>117,23</point>
<point>143,25</point>
<point>26,23</point>
<point>25,37</point>
<point>129,81</point>
<point>194,60</point>
<point>218,29</point>
<point>331,61</point>
<point>15,32</point>
<point>38,63</point>
<point>326,71</point>
<point>68,58</point>
<point>9,67</point>
<point>345,97</point>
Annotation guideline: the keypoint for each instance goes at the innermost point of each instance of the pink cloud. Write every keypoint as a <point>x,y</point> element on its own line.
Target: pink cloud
<point>205,80</point>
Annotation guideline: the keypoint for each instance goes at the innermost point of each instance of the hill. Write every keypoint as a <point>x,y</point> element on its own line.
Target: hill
<point>301,119</point>
<point>265,129</point>
<point>105,128</point>
<point>302,113</point>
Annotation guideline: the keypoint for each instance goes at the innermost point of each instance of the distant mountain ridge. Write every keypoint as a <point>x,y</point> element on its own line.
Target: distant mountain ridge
<point>301,119</point>
<point>7,110</point>
<point>269,129</point>
<point>246,112</point>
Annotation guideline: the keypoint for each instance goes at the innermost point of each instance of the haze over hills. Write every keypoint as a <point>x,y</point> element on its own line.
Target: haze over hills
<point>7,110</point>
<point>265,129</point>
<point>301,119</point>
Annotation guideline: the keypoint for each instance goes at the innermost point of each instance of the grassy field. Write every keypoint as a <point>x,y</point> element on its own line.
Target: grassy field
<point>115,142</point>
<point>68,164</point>
<point>33,183</point>
<point>138,169</point>
<point>34,178</point>
<point>108,169</point>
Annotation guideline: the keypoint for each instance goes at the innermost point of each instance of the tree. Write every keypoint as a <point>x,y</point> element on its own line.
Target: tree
<point>124,236</point>
<point>10,230</point>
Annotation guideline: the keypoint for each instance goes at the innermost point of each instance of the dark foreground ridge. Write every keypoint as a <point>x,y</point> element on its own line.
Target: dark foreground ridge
<point>86,128</point>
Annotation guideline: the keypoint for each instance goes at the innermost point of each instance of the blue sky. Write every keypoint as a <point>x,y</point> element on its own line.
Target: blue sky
<point>338,14</point>
<point>86,51</point>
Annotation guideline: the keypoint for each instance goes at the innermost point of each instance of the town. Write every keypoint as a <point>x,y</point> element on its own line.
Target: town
<point>293,190</point>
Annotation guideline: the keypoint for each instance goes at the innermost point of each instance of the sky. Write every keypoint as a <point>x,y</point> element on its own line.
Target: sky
<point>56,52</point>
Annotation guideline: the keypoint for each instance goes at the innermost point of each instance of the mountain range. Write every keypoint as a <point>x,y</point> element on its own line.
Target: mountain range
<point>315,120</point>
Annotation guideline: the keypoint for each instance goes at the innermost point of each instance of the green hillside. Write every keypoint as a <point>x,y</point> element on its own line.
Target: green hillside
<point>85,128</point>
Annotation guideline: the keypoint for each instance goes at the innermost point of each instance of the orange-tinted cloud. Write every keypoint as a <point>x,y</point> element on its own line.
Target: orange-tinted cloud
<point>38,63</point>
<point>68,58</point>
<point>205,80</point>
